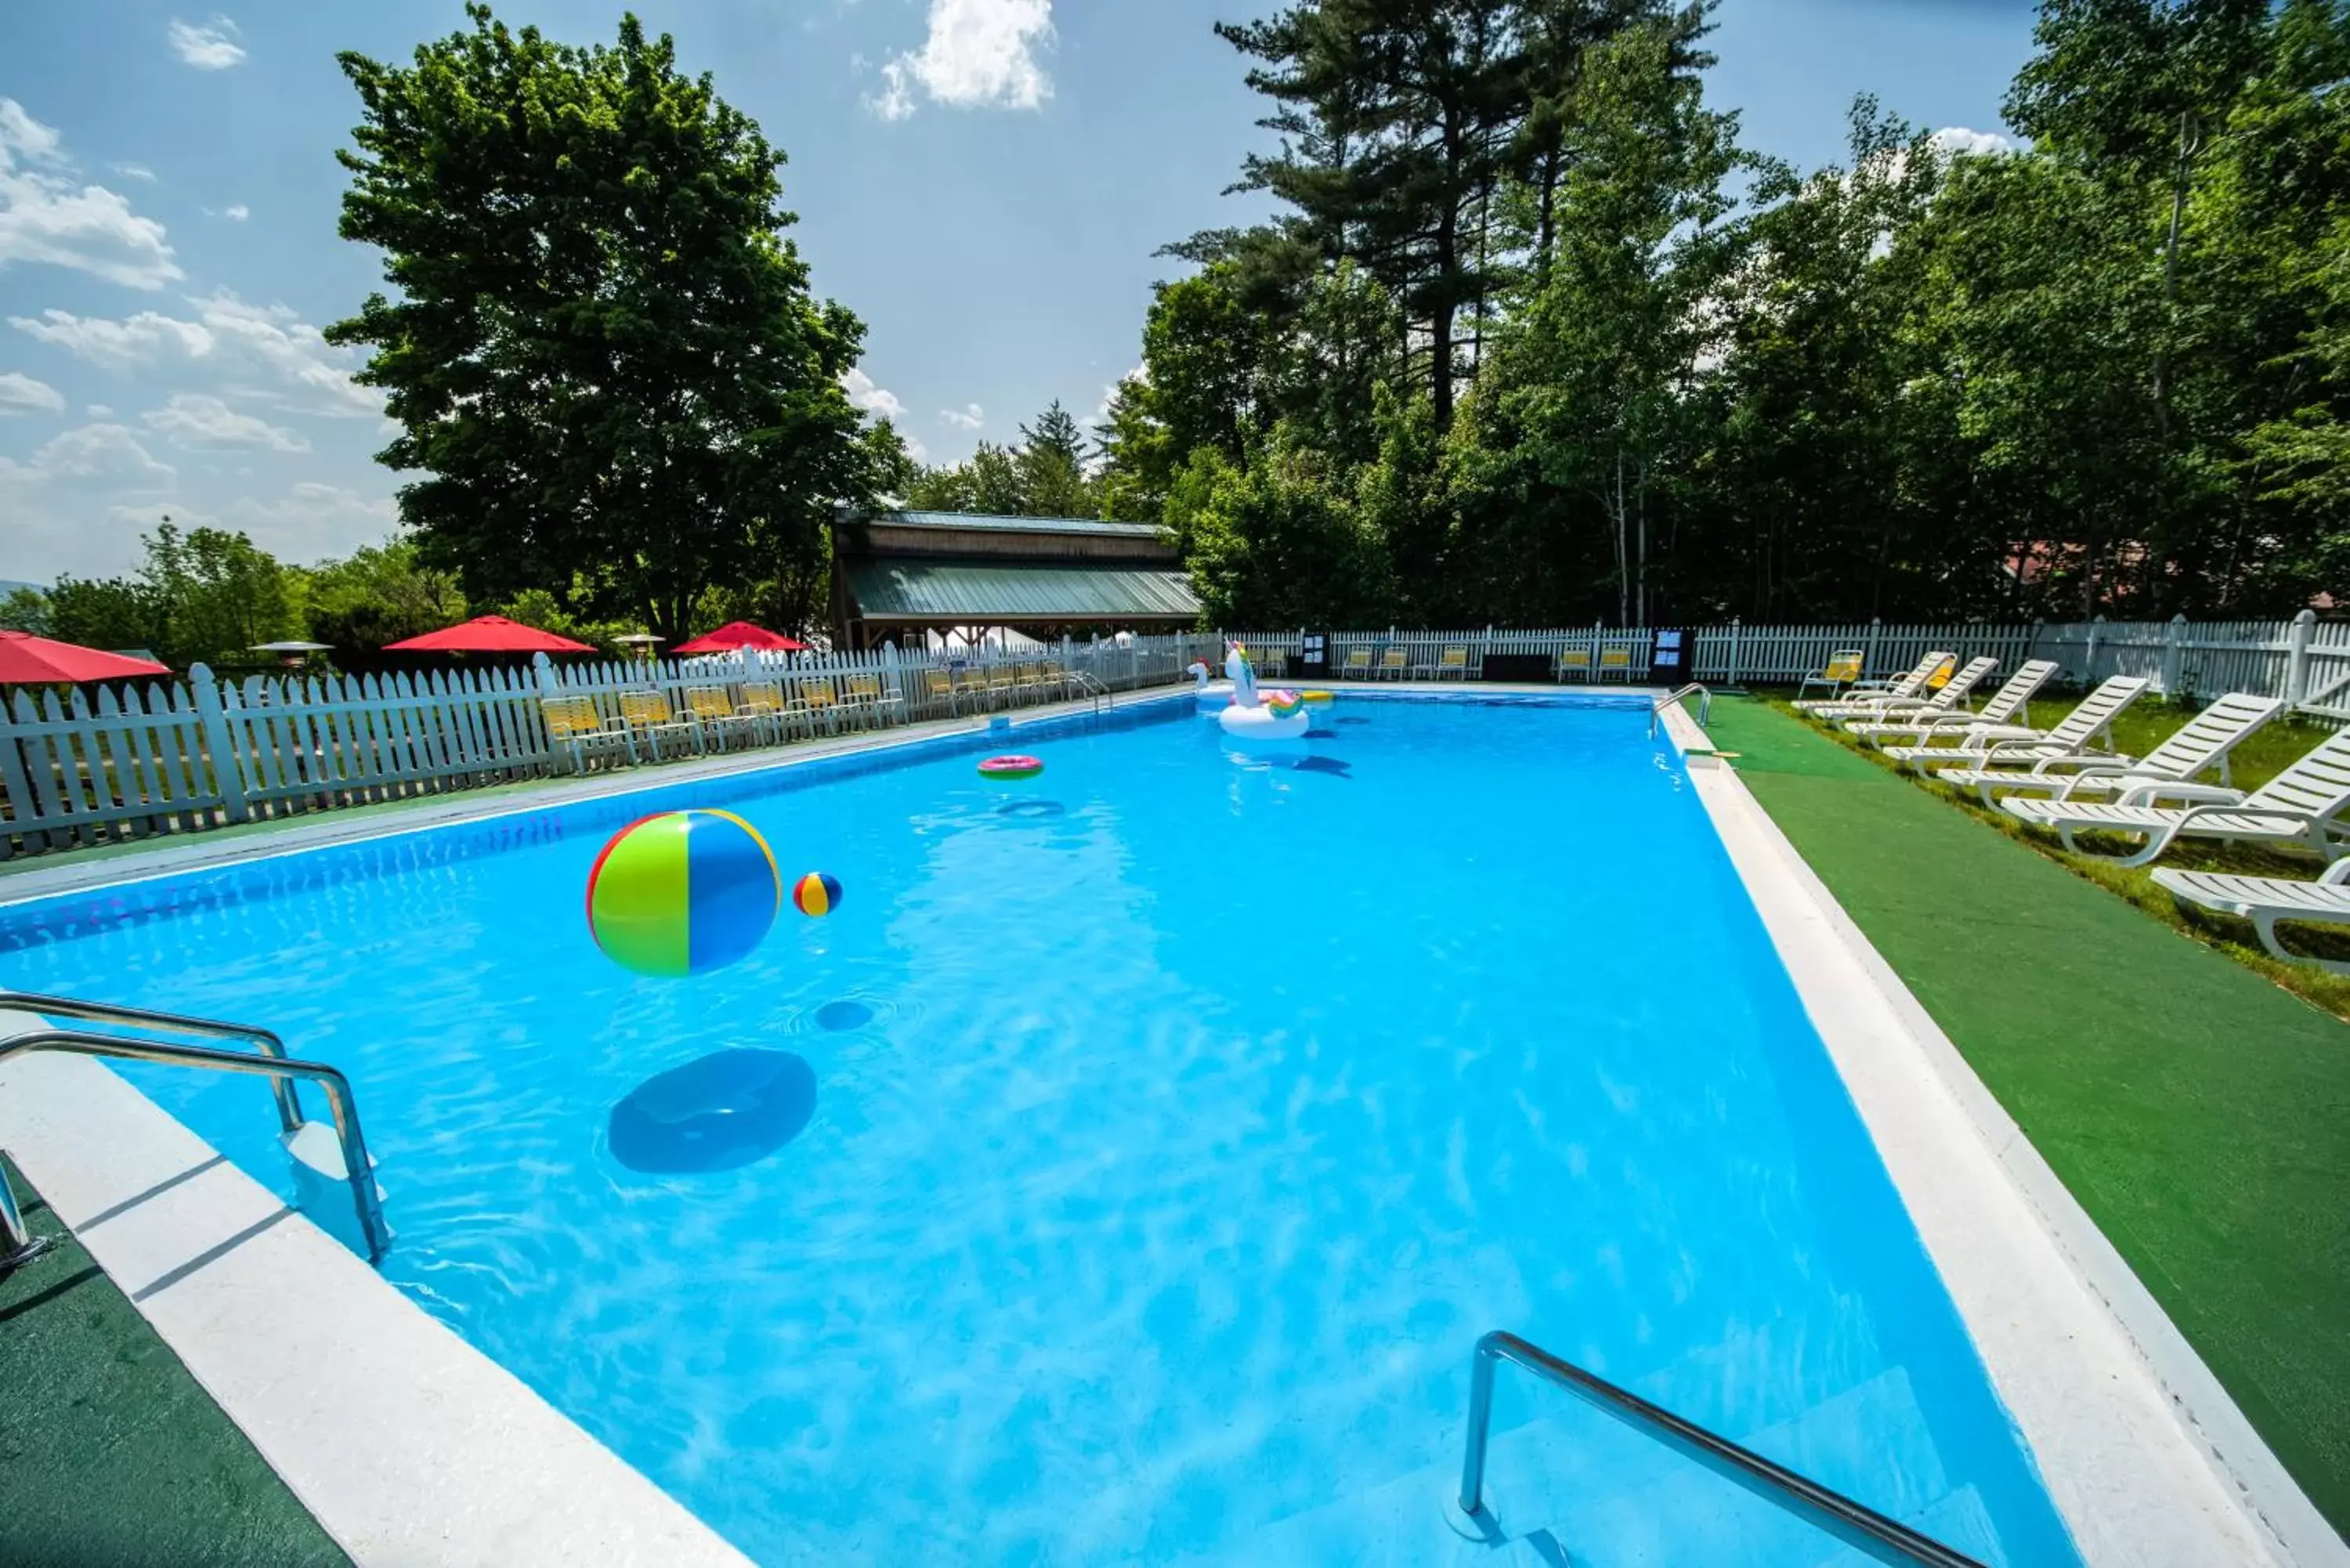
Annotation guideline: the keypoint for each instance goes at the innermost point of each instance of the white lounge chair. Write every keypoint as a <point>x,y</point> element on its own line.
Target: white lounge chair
<point>2013,698</point>
<point>2165,773</point>
<point>2301,805</point>
<point>1874,696</point>
<point>2265,901</point>
<point>1996,745</point>
<point>1950,702</point>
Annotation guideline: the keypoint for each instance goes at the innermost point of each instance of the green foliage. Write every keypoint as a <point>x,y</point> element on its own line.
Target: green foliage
<point>205,596</point>
<point>380,594</point>
<point>604,354</point>
<point>1631,370</point>
<point>1044,476</point>
<point>25,610</point>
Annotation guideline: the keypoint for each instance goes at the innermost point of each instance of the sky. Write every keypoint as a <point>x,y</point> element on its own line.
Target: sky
<point>983,182</point>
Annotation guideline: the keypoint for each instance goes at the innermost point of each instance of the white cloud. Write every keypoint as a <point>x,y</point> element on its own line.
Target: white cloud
<point>1982,143</point>
<point>19,393</point>
<point>45,216</point>
<point>1099,419</point>
<point>299,371</point>
<point>52,498</point>
<point>873,400</point>
<point>312,521</point>
<point>134,172</point>
<point>235,215</point>
<point>210,47</point>
<point>969,418</point>
<point>206,424</point>
<point>979,54</point>
<point>99,411</point>
<point>103,451</point>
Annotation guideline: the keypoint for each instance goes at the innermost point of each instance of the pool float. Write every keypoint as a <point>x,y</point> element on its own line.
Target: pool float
<point>1011,768</point>
<point>1320,697</point>
<point>1254,717</point>
<point>1213,696</point>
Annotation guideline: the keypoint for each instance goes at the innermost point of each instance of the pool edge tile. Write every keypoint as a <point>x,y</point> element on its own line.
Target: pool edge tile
<point>405,1443</point>
<point>2147,1458</point>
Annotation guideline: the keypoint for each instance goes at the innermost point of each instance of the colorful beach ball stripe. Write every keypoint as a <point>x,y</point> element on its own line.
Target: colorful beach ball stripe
<point>818,893</point>
<point>684,892</point>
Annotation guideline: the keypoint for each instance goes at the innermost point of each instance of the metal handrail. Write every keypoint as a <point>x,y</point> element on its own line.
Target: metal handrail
<point>1855,1523</point>
<point>1092,687</point>
<point>289,1107</point>
<point>357,1169</point>
<point>1704,706</point>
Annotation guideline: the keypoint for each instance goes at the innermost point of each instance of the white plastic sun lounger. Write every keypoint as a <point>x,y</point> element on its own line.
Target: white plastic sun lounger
<point>2301,805</point>
<point>2165,773</point>
<point>1870,697</point>
<point>1950,702</point>
<point>2011,700</point>
<point>2265,901</point>
<point>1991,745</point>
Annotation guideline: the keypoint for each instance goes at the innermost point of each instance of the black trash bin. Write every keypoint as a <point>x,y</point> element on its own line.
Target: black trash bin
<point>1675,656</point>
<point>1314,656</point>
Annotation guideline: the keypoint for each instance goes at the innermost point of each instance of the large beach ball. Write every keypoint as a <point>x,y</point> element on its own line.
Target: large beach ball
<point>683,893</point>
<point>817,894</point>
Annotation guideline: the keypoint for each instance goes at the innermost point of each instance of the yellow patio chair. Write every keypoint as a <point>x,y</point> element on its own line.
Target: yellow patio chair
<point>1616,662</point>
<point>647,713</point>
<point>937,686</point>
<point>1842,669</point>
<point>1057,681</point>
<point>574,726</point>
<point>821,701</point>
<point>1575,663</point>
<point>1001,682</point>
<point>1270,662</point>
<point>865,691</point>
<point>1357,665</point>
<point>1395,661</point>
<point>764,704</point>
<point>715,716</point>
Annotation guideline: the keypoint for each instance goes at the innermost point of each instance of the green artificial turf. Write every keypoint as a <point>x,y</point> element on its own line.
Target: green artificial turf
<point>111,1455</point>
<point>2200,1114</point>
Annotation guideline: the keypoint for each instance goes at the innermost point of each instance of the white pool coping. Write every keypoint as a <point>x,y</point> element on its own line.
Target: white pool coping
<point>410,1447</point>
<point>2147,1458</point>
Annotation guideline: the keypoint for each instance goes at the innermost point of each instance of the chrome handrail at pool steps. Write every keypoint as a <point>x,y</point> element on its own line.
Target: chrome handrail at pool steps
<point>1704,705</point>
<point>1855,1524</point>
<point>1090,687</point>
<point>270,1062</point>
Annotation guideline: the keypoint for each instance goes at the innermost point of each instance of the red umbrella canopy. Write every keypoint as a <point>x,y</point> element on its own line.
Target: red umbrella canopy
<point>488,634</point>
<point>25,659</point>
<point>741,633</point>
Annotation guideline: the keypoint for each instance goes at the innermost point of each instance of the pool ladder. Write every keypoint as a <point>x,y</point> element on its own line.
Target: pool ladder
<point>1855,1524</point>
<point>1087,686</point>
<point>268,1060</point>
<point>1704,706</point>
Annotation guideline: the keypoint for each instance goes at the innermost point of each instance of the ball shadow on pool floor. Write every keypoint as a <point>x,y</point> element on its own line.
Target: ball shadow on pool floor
<point>719,1112</point>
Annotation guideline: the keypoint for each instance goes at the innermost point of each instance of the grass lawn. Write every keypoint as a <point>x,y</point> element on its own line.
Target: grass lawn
<point>2199,1112</point>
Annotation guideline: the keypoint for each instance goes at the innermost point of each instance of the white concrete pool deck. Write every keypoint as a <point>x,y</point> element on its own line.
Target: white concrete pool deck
<point>411,1448</point>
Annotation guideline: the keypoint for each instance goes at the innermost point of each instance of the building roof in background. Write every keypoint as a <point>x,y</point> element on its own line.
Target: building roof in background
<point>986,593</point>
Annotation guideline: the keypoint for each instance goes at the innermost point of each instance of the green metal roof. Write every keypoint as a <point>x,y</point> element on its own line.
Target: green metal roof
<point>993,524</point>
<point>984,592</point>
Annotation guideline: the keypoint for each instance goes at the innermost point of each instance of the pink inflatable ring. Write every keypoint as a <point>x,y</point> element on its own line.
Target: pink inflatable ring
<point>1011,767</point>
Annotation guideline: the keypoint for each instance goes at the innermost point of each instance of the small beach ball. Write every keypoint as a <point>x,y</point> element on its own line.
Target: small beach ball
<point>684,892</point>
<point>818,893</point>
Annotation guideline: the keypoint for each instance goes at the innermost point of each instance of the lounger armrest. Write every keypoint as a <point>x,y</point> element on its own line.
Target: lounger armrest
<point>2083,763</point>
<point>2155,792</point>
<point>2195,814</point>
<point>2335,875</point>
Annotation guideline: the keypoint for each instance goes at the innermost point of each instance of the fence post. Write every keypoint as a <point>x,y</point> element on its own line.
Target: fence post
<point>1868,658</point>
<point>2089,659</point>
<point>2174,648</point>
<point>2296,657</point>
<point>220,742</point>
<point>1731,679</point>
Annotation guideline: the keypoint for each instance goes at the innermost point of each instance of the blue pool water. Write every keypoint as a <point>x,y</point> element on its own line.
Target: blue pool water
<point>1125,1172</point>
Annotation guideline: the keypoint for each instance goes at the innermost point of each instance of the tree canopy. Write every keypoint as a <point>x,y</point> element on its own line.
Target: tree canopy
<point>614,383</point>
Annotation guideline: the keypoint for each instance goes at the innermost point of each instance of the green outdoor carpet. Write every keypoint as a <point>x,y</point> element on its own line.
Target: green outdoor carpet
<point>2199,1113</point>
<point>111,1455</point>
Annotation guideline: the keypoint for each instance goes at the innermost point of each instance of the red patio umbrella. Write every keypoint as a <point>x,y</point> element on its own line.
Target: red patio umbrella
<point>488,634</point>
<point>27,660</point>
<point>741,633</point>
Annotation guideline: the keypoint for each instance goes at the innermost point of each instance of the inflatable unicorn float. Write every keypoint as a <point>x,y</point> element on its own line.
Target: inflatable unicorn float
<point>1246,714</point>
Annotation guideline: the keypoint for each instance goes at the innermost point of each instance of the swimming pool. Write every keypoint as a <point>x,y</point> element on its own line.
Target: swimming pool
<point>1178,1119</point>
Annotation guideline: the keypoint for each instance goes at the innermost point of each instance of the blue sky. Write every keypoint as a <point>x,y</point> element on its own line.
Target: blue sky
<point>982,181</point>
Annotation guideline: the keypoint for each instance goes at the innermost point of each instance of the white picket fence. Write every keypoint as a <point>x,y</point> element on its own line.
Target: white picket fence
<point>88,765</point>
<point>84,765</point>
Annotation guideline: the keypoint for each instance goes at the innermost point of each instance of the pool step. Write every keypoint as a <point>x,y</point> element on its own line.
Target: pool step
<point>1569,1489</point>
